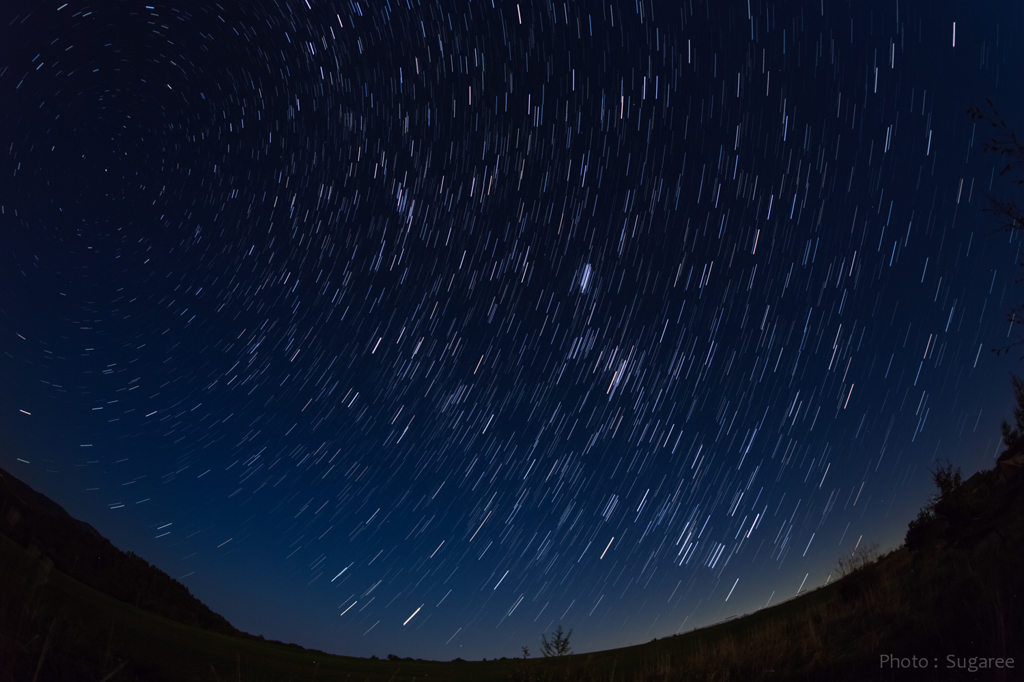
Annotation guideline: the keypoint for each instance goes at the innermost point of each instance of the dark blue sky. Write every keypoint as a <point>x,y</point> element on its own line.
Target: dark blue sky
<point>424,327</point>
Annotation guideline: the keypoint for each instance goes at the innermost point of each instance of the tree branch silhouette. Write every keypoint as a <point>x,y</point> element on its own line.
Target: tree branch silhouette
<point>1008,214</point>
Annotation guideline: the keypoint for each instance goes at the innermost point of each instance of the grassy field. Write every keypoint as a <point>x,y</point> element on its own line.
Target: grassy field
<point>93,634</point>
<point>958,591</point>
<point>79,633</point>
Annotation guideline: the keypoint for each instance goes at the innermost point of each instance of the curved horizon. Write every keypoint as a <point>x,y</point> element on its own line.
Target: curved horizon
<point>423,328</point>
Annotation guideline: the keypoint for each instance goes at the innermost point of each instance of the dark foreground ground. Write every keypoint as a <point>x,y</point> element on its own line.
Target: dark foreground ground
<point>953,595</point>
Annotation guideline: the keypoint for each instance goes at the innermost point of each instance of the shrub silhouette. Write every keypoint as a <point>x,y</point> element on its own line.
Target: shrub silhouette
<point>556,670</point>
<point>858,570</point>
<point>947,508</point>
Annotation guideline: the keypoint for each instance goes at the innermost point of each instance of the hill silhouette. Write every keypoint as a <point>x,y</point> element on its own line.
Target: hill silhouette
<point>952,597</point>
<point>46,530</point>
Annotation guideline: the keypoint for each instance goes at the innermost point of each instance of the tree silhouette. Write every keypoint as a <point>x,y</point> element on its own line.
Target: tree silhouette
<point>1005,143</point>
<point>1008,213</point>
<point>558,645</point>
<point>1013,436</point>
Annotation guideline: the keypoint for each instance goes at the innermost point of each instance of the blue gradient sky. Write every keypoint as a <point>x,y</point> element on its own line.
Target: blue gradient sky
<point>422,328</point>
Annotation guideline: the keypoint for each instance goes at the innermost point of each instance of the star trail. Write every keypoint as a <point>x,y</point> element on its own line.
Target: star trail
<point>422,327</point>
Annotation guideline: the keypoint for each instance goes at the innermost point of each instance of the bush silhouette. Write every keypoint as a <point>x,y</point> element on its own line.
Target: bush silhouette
<point>858,570</point>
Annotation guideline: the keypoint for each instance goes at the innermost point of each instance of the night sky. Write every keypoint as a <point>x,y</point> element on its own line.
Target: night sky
<point>422,327</point>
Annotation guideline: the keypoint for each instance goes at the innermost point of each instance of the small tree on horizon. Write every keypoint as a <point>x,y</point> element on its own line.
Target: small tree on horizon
<point>558,645</point>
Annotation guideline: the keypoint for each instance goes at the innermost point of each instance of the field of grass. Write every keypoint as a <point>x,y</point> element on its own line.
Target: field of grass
<point>81,634</point>
<point>959,591</point>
